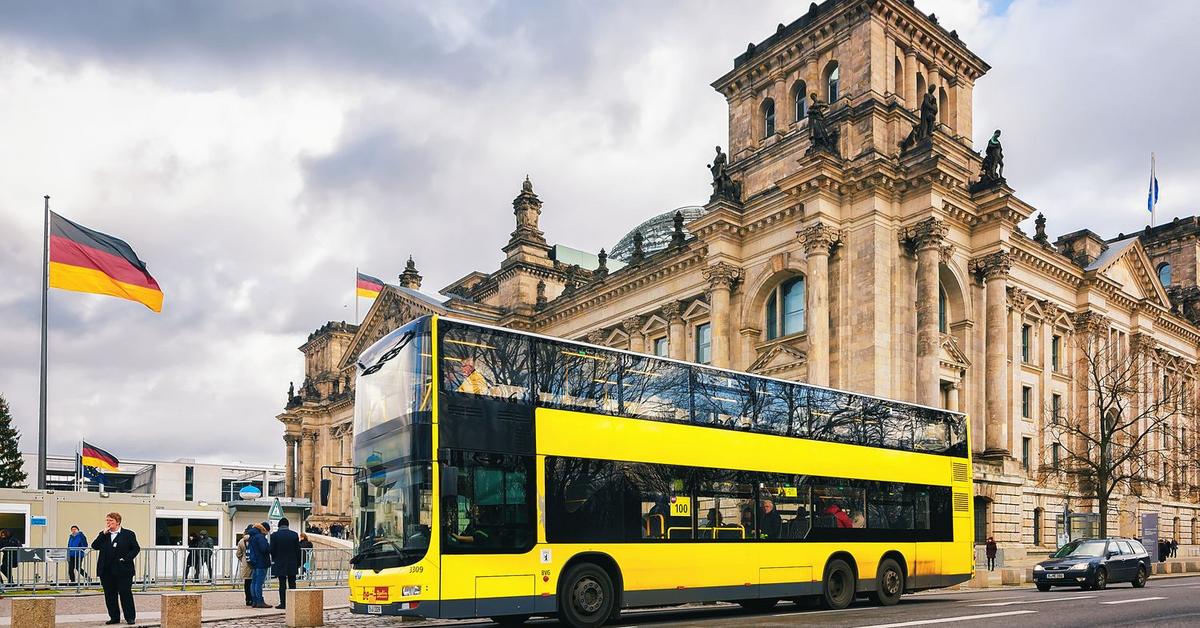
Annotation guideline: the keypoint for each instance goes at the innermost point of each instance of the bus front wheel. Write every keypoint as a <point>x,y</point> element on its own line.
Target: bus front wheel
<point>838,591</point>
<point>586,598</point>
<point>889,583</point>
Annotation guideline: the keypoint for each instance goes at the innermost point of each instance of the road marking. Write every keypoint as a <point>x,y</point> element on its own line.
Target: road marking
<point>1049,599</point>
<point>1136,599</point>
<point>947,620</point>
<point>838,610</point>
<point>1163,586</point>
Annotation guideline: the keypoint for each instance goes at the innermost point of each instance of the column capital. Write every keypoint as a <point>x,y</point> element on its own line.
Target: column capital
<point>750,332</point>
<point>671,311</point>
<point>1089,322</point>
<point>291,439</point>
<point>819,238</point>
<point>1017,298</point>
<point>928,234</point>
<point>632,325</point>
<point>596,336</point>
<point>722,275</point>
<point>993,265</point>
<point>309,435</point>
<point>951,384</point>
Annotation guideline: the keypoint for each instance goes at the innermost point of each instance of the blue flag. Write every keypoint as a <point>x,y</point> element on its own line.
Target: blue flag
<point>1152,194</point>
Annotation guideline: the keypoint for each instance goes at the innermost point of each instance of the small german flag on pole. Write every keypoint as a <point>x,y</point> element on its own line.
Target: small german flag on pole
<point>84,260</point>
<point>369,286</point>
<point>98,458</point>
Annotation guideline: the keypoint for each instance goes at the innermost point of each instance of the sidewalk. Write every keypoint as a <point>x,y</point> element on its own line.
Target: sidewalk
<point>1023,575</point>
<point>84,611</point>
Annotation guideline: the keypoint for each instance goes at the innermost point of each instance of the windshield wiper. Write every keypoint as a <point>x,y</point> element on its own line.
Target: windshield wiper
<point>389,354</point>
<point>383,547</point>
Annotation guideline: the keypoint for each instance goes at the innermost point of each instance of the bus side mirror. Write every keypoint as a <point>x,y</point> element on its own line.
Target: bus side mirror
<point>325,482</point>
<point>449,481</point>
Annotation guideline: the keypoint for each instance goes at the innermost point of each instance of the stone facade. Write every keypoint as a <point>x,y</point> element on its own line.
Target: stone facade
<point>917,282</point>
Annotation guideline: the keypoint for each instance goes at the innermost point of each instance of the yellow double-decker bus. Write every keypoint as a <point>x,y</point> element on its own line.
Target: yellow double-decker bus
<point>506,475</point>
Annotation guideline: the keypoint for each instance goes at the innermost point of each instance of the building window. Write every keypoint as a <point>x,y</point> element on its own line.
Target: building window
<point>943,106</point>
<point>1055,407</point>
<point>981,519</point>
<point>1055,456</point>
<point>768,113</point>
<point>784,311</point>
<point>1038,513</point>
<point>1026,399</point>
<point>1164,274</point>
<point>831,82</point>
<point>898,78</point>
<point>1026,445</point>
<point>941,310</point>
<point>1055,349</point>
<point>661,347</point>
<point>189,476</point>
<point>800,101</point>
<point>1026,333</point>
<point>704,343</point>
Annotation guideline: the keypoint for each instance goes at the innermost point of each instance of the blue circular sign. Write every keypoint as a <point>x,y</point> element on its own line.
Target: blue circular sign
<point>250,492</point>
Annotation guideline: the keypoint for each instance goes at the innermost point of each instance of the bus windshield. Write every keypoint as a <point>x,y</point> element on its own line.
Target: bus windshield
<point>393,490</point>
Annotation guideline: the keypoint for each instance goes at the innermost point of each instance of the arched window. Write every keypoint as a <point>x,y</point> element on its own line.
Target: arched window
<point>831,82</point>
<point>768,113</point>
<point>920,90</point>
<point>799,101</point>
<point>898,78</point>
<point>1164,274</point>
<point>785,309</point>
<point>943,106</point>
<point>942,309</point>
<point>1038,513</point>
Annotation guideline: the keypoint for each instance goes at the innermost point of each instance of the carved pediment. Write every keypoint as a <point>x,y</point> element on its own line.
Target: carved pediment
<point>778,358</point>
<point>1127,266</point>
<point>390,310</point>
<point>952,355</point>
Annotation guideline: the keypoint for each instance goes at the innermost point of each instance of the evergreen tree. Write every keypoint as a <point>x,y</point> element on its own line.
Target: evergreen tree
<point>12,470</point>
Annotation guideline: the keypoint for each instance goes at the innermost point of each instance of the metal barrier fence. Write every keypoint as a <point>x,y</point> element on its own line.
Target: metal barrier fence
<point>60,568</point>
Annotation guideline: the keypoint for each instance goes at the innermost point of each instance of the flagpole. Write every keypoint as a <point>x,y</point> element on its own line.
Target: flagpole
<point>1154,201</point>
<point>354,295</point>
<point>41,479</point>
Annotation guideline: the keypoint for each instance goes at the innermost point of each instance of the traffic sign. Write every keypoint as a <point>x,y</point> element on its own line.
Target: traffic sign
<point>276,512</point>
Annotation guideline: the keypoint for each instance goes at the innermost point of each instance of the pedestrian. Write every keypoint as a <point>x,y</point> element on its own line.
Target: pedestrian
<point>306,547</point>
<point>189,556</point>
<point>8,555</point>
<point>990,551</point>
<point>285,559</point>
<point>1174,548</point>
<point>1162,550</point>
<point>204,552</point>
<point>117,548</point>
<point>259,551</point>
<point>244,571</point>
<point>76,548</point>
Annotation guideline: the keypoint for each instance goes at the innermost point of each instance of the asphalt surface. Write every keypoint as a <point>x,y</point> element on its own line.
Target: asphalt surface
<point>1163,602</point>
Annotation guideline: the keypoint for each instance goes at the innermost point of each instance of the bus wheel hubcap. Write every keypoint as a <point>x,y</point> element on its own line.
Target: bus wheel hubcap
<point>891,582</point>
<point>588,595</point>
<point>836,585</point>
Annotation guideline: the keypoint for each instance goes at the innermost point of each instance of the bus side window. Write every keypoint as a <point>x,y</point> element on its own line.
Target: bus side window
<point>654,389</point>
<point>577,378</point>
<point>484,363</point>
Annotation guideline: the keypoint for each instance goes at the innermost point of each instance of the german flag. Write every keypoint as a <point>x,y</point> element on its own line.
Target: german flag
<point>369,286</point>
<point>98,458</point>
<point>84,260</point>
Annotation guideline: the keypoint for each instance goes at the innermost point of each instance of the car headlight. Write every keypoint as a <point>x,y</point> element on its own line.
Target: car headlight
<point>413,590</point>
<point>1079,567</point>
<point>1038,568</point>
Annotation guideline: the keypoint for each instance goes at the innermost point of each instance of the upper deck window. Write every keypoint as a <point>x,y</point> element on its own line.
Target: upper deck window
<point>484,362</point>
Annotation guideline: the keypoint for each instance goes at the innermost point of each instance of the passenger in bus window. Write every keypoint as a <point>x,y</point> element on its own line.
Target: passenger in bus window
<point>857,518</point>
<point>713,520</point>
<point>473,381</point>
<point>840,517</point>
<point>770,523</point>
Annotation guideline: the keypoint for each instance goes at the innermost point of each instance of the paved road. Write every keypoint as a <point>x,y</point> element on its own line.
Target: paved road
<point>1164,602</point>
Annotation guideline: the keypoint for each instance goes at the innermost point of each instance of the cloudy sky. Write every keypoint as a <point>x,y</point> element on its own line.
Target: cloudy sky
<point>255,153</point>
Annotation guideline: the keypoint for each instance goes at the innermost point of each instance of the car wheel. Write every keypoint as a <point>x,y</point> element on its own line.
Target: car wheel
<point>1101,580</point>
<point>838,591</point>
<point>889,583</point>
<point>1043,587</point>
<point>758,605</point>
<point>585,599</point>
<point>1140,580</point>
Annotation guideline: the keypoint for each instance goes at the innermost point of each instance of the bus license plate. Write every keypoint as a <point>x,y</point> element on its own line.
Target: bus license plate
<point>374,609</point>
<point>1054,575</point>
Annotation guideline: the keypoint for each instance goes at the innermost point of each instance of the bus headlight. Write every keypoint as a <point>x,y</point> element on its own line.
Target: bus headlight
<point>413,590</point>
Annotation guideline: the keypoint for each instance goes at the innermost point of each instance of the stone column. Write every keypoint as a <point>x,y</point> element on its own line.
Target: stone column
<point>676,333</point>
<point>911,99</point>
<point>818,240</point>
<point>289,441</point>
<point>927,238</point>
<point>346,456</point>
<point>994,268</point>
<point>308,442</point>
<point>952,402</point>
<point>633,327</point>
<point>721,279</point>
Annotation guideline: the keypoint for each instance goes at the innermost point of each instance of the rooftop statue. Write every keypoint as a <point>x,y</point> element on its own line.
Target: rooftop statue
<point>926,123</point>
<point>723,185</point>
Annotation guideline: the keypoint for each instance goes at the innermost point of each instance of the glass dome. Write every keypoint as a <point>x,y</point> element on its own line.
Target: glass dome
<point>656,233</point>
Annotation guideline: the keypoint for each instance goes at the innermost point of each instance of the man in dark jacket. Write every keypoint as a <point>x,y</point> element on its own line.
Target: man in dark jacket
<point>76,548</point>
<point>258,551</point>
<point>285,559</point>
<point>117,549</point>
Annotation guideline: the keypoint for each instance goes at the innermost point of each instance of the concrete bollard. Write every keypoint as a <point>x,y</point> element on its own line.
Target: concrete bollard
<point>1191,566</point>
<point>305,608</point>
<point>181,610</point>
<point>1010,576</point>
<point>33,612</point>
<point>980,579</point>
<point>1028,575</point>
<point>1175,567</point>
<point>1160,569</point>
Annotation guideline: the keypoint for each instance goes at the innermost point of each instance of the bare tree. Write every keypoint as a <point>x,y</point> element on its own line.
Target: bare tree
<point>1117,430</point>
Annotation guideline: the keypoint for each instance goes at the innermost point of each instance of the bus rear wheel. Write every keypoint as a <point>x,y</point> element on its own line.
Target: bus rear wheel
<point>889,583</point>
<point>838,591</point>
<point>585,599</point>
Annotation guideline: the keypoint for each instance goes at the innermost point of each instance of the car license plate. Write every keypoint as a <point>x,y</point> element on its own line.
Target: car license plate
<point>1054,575</point>
<point>374,609</point>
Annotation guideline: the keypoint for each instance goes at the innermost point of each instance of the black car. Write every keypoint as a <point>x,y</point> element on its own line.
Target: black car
<point>1094,564</point>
